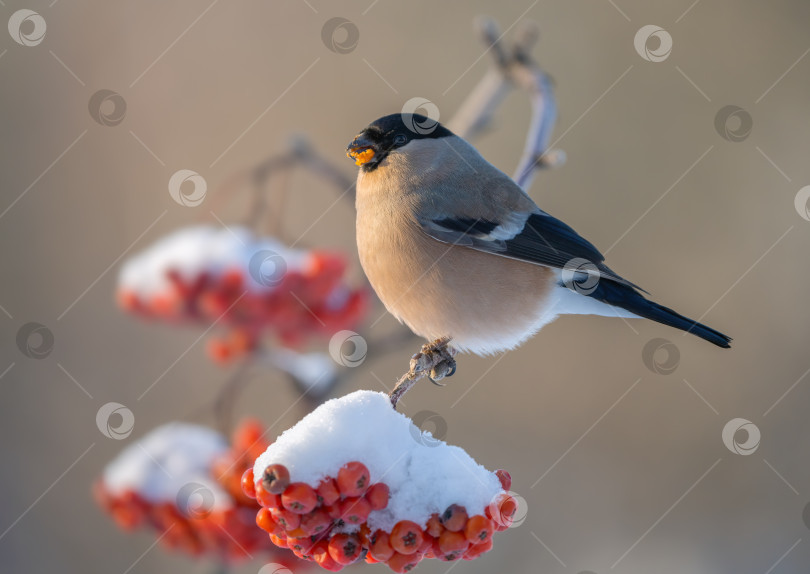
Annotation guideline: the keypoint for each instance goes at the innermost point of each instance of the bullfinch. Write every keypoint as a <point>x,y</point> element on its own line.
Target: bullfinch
<point>454,248</point>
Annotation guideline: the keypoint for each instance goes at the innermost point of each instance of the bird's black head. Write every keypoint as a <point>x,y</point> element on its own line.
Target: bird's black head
<point>388,133</point>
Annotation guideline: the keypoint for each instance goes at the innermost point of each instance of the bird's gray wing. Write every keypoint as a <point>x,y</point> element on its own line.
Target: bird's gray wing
<point>534,237</point>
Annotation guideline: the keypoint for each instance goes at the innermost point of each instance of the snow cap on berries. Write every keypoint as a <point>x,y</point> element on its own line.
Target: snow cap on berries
<point>362,426</point>
<point>166,461</point>
<point>204,248</point>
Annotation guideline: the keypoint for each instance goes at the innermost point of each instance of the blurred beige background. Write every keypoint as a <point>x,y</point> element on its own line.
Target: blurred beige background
<point>633,474</point>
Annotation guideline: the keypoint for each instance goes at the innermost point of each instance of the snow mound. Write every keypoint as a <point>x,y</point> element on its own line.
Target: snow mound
<point>165,461</point>
<point>425,475</point>
<point>203,248</point>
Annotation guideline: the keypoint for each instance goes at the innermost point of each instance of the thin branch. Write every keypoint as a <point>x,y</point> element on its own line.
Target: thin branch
<point>435,361</point>
<point>513,67</point>
<point>544,113</point>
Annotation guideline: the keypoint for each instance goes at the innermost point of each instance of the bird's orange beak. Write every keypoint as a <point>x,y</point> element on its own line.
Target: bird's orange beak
<point>361,150</point>
<point>360,155</point>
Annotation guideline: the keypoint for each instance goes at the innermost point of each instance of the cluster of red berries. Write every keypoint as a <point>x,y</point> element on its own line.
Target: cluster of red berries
<point>227,533</point>
<point>327,524</point>
<point>300,304</point>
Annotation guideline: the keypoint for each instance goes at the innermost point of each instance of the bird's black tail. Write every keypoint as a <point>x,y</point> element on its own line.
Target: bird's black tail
<point>628,298</point>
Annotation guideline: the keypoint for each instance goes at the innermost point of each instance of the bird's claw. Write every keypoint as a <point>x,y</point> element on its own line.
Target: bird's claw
<point>437,358</point>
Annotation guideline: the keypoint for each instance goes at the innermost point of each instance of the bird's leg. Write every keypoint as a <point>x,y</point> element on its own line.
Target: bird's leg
<point>436,360</point>
<point>442,358</point>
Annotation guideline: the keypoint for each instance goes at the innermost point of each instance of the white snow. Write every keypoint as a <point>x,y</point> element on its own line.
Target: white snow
<point>165,461</point>
<point>425,475</point>
<point>193,250</point>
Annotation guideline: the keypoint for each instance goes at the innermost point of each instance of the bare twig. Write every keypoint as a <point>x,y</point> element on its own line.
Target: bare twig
<point>513,67</point>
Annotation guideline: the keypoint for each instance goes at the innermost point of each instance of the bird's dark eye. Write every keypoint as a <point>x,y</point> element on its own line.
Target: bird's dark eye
<point>400,140</point>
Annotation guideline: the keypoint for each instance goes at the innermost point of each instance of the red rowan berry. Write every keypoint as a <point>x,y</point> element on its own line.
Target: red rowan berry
<point>353,479</point>
<point>505,478</point>
<point>454,518</point>
<point>265,521</point>
<point>247,483</point>
<point>380,548</point>
<point>403,562</point>
<point>328,491</point>
<point>344,548</point>
<point>320,554</point>
<point>479,529</point>
<point>285,518</point>
<point>434,526</point>
<point>406,537</point>
<point>377,495</point>
<point>275,478</point>
<point>299,498</point>
<point>354,510</point>
<point>452,545</point>
<point>316,522</point>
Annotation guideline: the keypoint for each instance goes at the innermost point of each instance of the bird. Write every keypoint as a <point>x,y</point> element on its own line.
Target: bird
<point>459,252</point>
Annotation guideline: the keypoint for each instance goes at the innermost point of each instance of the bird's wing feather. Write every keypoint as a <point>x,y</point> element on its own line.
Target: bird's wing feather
<point>534,237</point>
